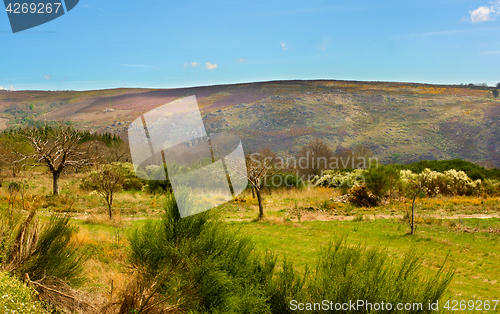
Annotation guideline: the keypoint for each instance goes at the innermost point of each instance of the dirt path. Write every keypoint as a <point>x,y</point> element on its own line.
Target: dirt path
<point>305,216</point>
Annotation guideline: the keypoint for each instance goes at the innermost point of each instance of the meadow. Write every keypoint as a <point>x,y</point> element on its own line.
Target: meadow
<point>461,231</point>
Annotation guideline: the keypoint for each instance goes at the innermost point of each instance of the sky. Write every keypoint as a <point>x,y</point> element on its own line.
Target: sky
<point>103,44</point>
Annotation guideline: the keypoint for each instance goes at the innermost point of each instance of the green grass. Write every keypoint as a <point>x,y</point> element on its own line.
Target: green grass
<point>474,255</point>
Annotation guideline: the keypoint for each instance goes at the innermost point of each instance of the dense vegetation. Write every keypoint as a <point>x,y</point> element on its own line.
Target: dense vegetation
<point>200,264</point>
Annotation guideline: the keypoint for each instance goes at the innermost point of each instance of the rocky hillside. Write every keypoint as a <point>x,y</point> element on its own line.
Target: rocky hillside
<point>399,122</point>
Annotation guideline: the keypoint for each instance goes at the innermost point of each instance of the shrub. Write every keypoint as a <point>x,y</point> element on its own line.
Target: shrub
<point>54,255</point>
<point>194,264</point>
<point>362,197</point>
<point>473,170</point>
<point>356,273</point>
<point>340,179</point>
<point>491,187</point>
<point>44,256</point>
<point>451,182</point>
<point>131,181</point>
<point>157,186</point>
<point>17,298</point>
<point>378,180</point>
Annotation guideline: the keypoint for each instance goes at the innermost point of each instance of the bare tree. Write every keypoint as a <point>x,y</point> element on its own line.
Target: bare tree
<point>55,148</point>
<point>357,157</point>
<point>417,184</point>
<point>259,166</point>
<point>314,157</point>
<point>108,180</point>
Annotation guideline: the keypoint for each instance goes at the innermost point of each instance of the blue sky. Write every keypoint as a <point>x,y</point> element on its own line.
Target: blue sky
<point>165,44</point>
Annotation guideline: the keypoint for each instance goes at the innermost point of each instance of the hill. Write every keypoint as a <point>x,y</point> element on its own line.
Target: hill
<point>398,122</point>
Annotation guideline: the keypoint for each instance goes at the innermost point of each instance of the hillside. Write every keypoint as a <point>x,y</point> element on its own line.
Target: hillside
<point>399,122</point>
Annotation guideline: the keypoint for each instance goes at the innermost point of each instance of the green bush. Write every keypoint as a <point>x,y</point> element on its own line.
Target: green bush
<point>157,186</point>
<point>473,170</point>
<point>196,263</point>
<point>17,298</point>
<point>44,256</point>
<point>55,255</point>
<point>355,273</point>
<point>377,181</point>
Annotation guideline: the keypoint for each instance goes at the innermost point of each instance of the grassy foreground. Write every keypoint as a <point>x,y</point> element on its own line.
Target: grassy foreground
<point>472,244</point>
<point>298,224</point>
<point>475,255</point>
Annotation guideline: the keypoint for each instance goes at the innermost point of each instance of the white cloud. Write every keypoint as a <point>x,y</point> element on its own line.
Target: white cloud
<point>241,60</point>
<point>485,13</point>
<point>194,64</point>
<point>211,66</point>
<point>11,88</point>
<point>47,77</point>
<point>283,46</point>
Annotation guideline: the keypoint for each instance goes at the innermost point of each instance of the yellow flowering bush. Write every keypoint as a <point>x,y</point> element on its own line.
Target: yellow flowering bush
<point>333,178</point>
<point>451,182</point>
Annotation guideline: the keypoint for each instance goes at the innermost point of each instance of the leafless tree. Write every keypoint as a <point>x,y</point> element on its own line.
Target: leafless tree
<point>259,166</point>
<point>417,185</point>
<point>313,158</point>
<point>356,157</point>
<point>56,148</point>
<point>108,180</point>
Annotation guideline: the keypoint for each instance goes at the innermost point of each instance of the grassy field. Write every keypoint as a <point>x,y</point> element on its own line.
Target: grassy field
<point>298,224</point>
<point>474,255</point>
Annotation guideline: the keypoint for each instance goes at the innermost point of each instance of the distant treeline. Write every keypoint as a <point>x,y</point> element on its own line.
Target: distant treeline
<point>108,139</point>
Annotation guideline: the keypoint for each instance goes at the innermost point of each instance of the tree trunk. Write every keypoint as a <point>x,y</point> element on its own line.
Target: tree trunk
<point>413,213</point>
<point>261,208</point>
<point>253,191</point>
<point>55,182</point>
<point>110,206</point>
